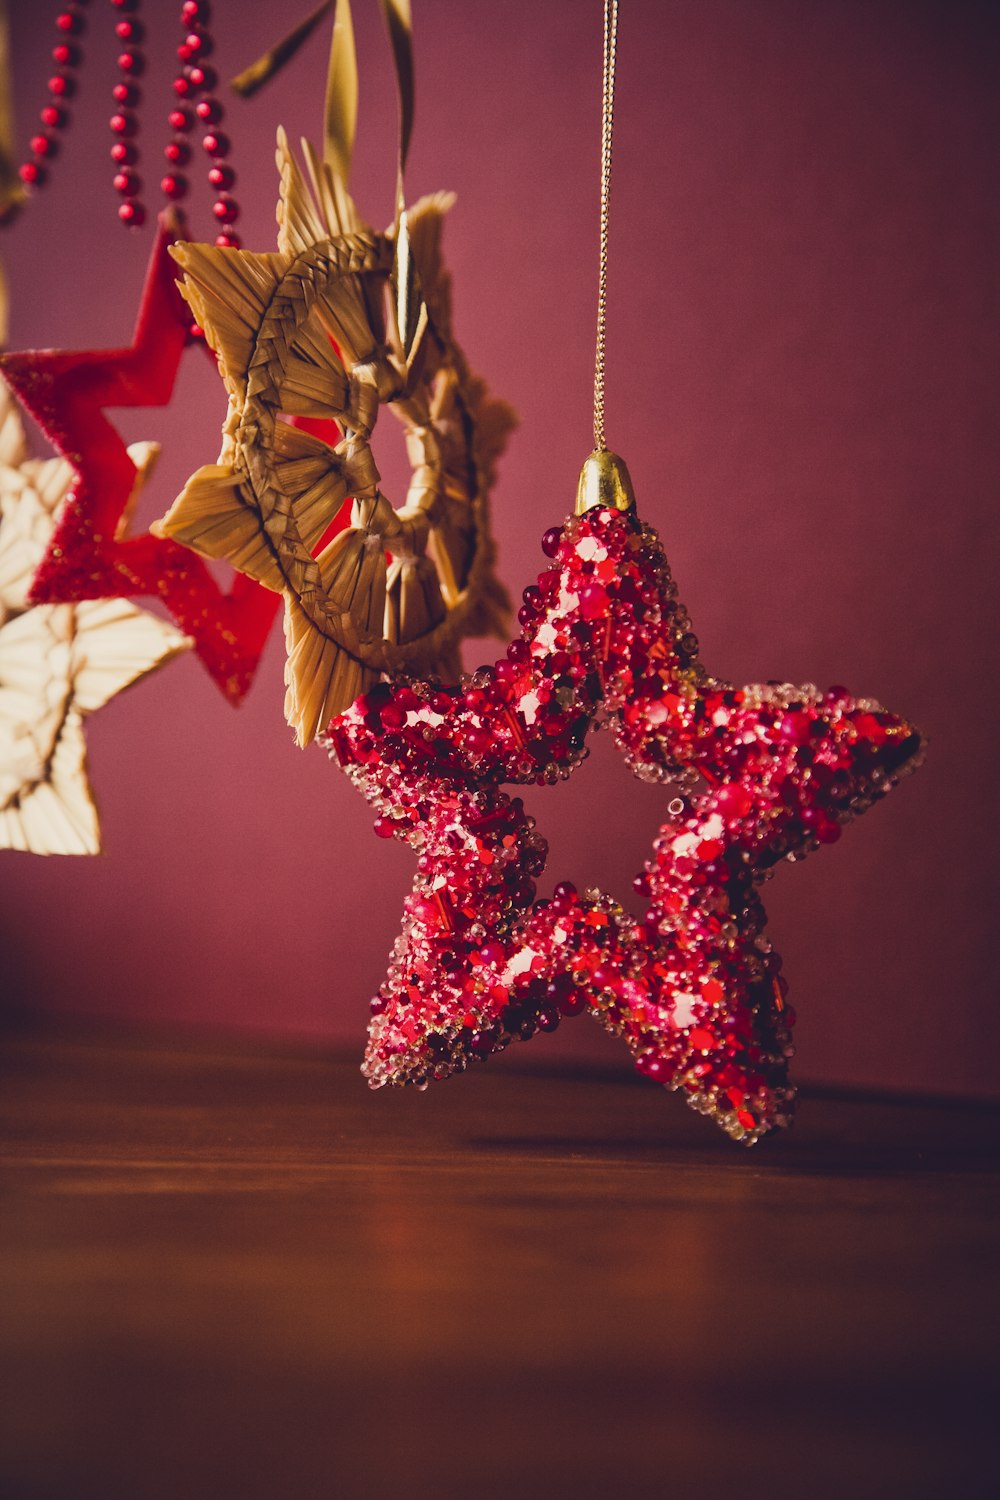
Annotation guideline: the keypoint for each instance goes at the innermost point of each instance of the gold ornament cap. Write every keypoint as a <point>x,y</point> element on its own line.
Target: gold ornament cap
<point>604,480</point>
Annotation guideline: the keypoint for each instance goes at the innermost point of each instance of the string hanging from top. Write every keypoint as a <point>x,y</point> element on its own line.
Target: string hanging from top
<point>604,479</point>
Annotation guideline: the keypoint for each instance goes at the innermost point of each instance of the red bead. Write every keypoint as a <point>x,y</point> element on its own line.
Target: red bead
<point>184,53</point>
<point>201,76</point>
<point>124,153</point>
<point>126,94</point>
<point>174,185</point>
<point>66,55</point>
<point>193,11</point>
<point>226,210</point>
<point>178,153</point>
<point>209,111</point>
<point>655,1068</point>
<point>44,145</point>
<point>54,117</point>
<point>127,183</point>
<point>227,241</point>
<point>70,22</point>
<point>130,31</point>
<point>593,601</point>
<point>124,4</point>
<point>551,540</point>
<point>198,45</point>
<point>124,123</point>
<point>132,214</point>
<point>131,62</point>
<point>215,143</point>
<point>32,174</point>
<point>180,119</point>
<point>221,176</point>
<point>62,86</point>
<point>181,87</point>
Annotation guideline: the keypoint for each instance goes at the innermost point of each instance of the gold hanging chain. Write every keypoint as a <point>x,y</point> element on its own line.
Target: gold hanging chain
<point>607,132</point>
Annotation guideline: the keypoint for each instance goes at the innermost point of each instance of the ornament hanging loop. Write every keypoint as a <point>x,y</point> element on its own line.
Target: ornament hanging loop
<point>604,480</point>
<point>607,134</point>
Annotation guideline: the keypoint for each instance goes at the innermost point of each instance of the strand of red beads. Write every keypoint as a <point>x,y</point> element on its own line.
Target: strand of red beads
<point>67,56</point>
<point>124,123</point>
<point>197,104</point>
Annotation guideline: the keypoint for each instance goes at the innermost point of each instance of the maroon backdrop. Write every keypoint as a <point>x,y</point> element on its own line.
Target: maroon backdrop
<point>802,374</point>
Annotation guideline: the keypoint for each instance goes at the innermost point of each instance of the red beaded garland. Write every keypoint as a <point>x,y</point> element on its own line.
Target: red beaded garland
<point>67,55</point>
<point>193,88</point>
<point>127,94</point>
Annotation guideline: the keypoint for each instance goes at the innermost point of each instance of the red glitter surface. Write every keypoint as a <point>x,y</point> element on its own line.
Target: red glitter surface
<point>763,773</point>
<point>89,557</point>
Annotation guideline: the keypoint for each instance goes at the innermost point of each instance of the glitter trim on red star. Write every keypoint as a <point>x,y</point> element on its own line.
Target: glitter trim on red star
<point>89,557</point>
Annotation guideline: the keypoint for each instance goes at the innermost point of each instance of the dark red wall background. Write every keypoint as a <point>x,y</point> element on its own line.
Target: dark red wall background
<point>802,367</point>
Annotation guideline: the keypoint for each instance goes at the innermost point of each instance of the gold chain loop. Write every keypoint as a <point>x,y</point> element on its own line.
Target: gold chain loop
<point>607,130</point>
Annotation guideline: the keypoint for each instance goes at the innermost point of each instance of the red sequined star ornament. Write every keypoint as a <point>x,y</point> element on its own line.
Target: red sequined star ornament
<point>763,772</point>
<point>91,556</point>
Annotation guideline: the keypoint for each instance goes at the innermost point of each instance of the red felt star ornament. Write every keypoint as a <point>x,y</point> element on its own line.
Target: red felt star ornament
<point>91,556</point>
<point>694,987</point>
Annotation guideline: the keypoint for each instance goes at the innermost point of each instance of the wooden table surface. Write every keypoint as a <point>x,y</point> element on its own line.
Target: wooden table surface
<point>231,1271</point>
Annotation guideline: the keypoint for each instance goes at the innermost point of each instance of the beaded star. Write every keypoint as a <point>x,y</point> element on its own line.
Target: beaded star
<point>761,773</point>
<point>90,556</point>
